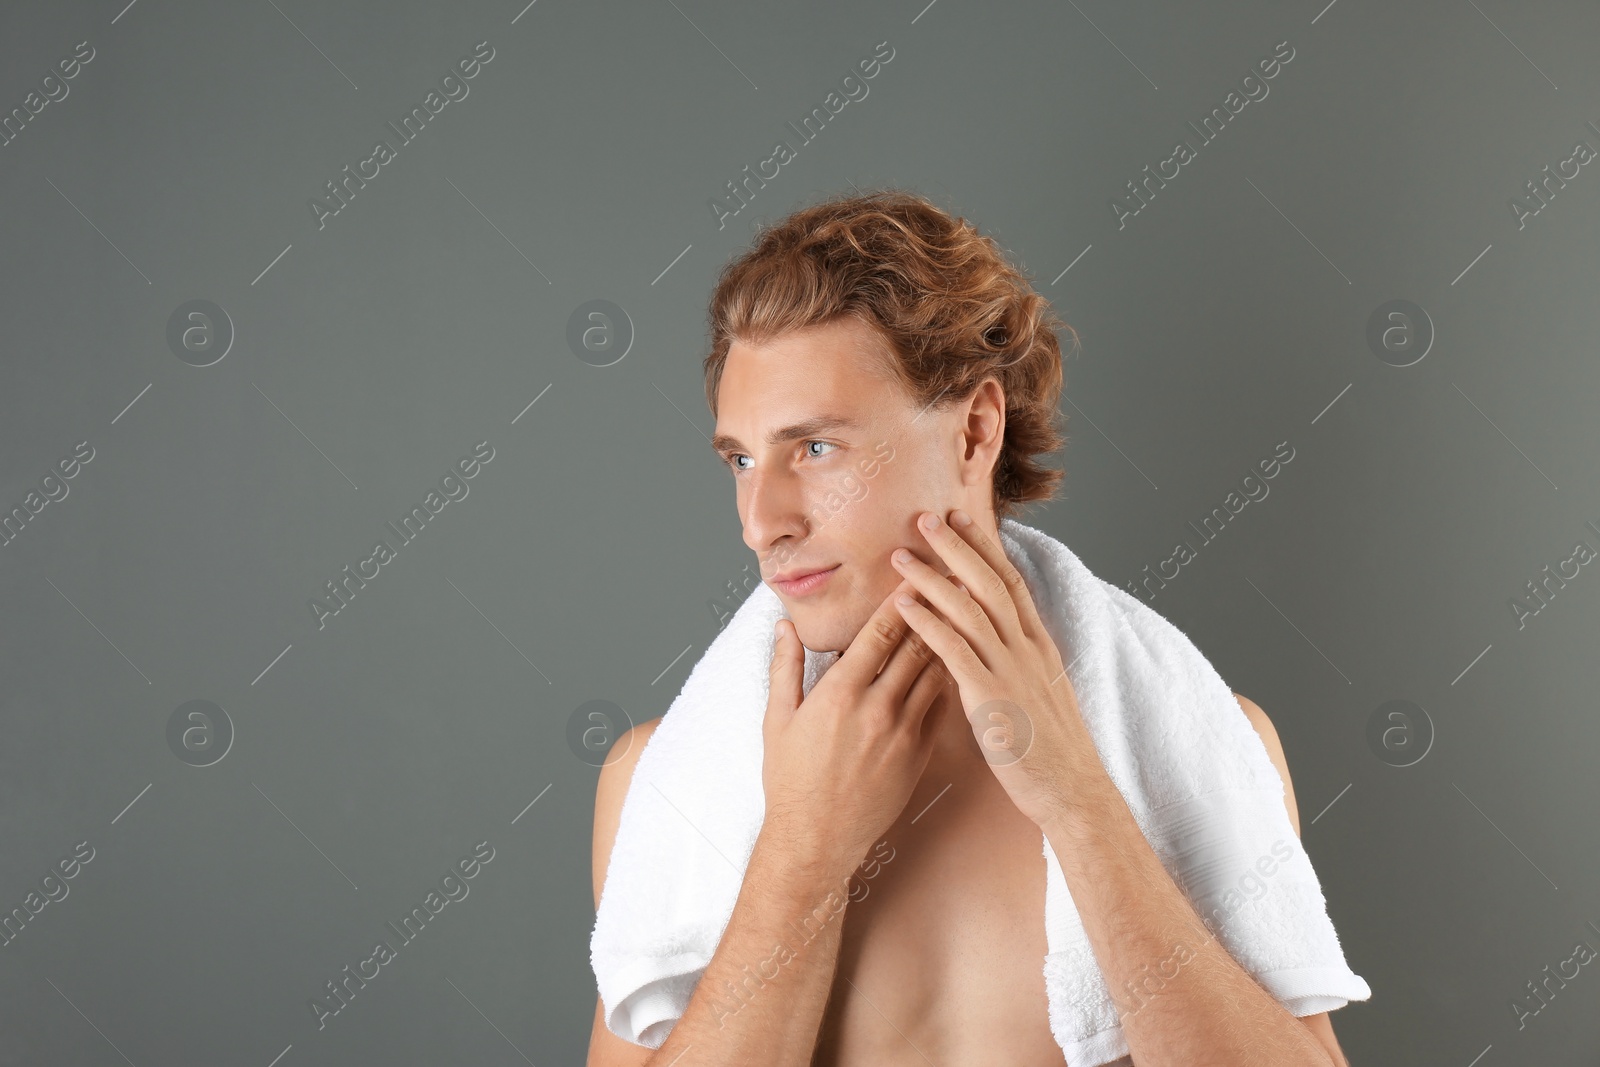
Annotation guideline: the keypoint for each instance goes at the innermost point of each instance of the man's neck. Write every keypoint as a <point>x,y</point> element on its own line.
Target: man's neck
<point>956,757</point>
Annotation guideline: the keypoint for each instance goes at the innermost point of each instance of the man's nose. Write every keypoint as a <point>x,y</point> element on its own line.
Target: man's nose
<point>773,512</point>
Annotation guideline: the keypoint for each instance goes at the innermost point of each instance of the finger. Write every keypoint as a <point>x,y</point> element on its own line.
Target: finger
<point>958,657</point>
<point>906,663</point>
<point>879,635</point>
<point>994,553</point>
<point>956,605</point>
<point>919,703</point>
<point>786,671</point>
<point>983,566</point>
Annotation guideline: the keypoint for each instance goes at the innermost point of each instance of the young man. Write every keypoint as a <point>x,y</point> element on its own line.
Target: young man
<point>876,364</point>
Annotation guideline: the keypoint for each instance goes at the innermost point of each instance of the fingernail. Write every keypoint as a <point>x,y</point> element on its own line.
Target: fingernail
<point>960,518</point>
<point>930,521</point>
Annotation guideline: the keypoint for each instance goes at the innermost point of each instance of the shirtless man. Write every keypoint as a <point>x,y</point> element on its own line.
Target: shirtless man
<point>937,957</point>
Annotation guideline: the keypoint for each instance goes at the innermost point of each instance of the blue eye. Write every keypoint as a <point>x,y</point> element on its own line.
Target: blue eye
<point>733,458</point>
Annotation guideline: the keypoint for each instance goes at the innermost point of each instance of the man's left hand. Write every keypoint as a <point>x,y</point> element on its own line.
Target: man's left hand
<point>985,627</point>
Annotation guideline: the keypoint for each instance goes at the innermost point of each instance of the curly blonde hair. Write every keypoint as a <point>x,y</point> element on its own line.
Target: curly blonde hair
<point>952,308</point>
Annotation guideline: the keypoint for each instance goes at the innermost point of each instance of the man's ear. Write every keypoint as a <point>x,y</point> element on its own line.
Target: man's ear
<point>983,429</point>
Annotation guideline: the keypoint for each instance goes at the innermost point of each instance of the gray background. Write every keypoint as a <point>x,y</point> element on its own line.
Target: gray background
<point>371,354</point>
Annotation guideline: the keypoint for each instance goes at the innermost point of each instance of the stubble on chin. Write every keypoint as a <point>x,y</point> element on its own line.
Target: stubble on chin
<point>832,634</point>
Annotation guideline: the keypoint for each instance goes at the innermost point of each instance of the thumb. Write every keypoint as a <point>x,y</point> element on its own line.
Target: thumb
<point>786,671</point>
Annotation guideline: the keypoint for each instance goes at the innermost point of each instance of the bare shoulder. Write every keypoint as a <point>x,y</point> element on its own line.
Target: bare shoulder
<point>615,777</point>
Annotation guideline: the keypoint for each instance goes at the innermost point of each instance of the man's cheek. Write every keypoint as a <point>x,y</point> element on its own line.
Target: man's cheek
<point>852,487</point>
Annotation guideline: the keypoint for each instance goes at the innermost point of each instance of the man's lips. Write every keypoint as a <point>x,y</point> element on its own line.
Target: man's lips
<point>802,580</point>
<point>799,572</point>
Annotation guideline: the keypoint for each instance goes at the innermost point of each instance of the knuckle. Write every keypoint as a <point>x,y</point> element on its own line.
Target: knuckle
<point>885,630</point>
<point>877,717</point>
<point>973,610</point>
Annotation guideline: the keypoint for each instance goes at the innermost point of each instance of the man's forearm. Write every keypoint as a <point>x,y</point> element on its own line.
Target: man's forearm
<point>1206,1009</point>
<point>763,993</point>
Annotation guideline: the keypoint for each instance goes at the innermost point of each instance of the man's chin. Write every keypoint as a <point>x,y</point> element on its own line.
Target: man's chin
<point>825,631</point>
<point>818,639</point>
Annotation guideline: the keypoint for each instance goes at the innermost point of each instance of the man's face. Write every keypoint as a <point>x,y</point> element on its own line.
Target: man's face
<point>840,495</point>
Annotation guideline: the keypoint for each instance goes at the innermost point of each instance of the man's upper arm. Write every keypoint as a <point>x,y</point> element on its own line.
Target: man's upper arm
<point>1320,1025</point>
<point>605,1048</point>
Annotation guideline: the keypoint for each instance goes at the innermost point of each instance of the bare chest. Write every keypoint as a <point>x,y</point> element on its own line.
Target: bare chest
<point>943,945</point>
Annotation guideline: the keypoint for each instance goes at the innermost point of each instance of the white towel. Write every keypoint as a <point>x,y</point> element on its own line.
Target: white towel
<point>1174,741</point>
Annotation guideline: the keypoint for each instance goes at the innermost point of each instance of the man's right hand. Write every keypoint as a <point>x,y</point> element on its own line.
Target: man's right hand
<point>840,765</point>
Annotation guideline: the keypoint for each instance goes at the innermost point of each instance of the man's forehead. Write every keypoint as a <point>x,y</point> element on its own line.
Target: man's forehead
<point>822,378</point>
<point>822,361</point>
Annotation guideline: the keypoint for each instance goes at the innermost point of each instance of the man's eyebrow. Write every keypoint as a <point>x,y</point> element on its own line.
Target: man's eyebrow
<point>811,427</point>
